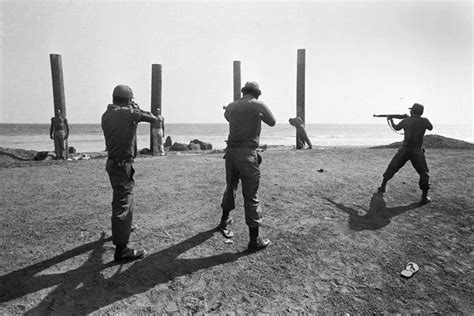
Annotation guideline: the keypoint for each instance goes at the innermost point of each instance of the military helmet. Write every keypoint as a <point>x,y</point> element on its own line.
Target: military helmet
<point>122,91</point>
<point>252,85</point>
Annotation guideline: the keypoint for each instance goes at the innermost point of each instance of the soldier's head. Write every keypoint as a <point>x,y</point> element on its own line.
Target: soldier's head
<point>252,88</point>
<point>416,109</point>
<point>122,95</point>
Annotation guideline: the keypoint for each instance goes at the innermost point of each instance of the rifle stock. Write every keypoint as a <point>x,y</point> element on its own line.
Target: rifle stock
<point>392,116</point>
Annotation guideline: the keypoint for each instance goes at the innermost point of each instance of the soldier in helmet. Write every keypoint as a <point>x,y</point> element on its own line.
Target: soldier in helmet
<point>119,124</point>
<point>59,132</point>
<point>414,128</point>
<point>242,161</point>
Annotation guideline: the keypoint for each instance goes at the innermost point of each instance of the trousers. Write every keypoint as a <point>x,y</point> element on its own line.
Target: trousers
<point>121,179</point>
<point>59,144</point>
<point>417,159</point>
<point>242,164</point>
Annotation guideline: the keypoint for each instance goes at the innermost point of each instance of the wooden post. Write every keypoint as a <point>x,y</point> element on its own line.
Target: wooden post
<point>58,90</point>
<point>156,84</point>
<point>300,90</point>
<point>237,80</point>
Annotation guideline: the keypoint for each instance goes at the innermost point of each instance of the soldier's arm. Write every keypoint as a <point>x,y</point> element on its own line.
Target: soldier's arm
<point>396,127</point>
<point>267,115</point>
<point>429,126</point>
<point>143,116</point>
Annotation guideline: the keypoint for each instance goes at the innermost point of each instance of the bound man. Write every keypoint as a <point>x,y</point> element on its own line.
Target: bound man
<point>303,138</point>
<point>119,123</point>
<point>242,161</point>
<point>59,132</point>
<point>414,128</point>
<point>158,131</point>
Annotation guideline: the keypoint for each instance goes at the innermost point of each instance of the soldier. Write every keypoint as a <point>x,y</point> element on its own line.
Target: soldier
<point>59,131</point>
<point>242,161</point>
<point>119,123</point>
<point>414,128</point>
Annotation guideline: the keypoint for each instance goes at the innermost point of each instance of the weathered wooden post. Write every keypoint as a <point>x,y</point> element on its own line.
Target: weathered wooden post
<point>300,90</point>
<point>156,83</point>
<point>58,91</point>
<point>237,80</point>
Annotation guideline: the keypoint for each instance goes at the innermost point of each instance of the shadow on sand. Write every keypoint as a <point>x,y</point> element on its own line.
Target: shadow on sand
<point>376,217</point>
<point>85,289</point>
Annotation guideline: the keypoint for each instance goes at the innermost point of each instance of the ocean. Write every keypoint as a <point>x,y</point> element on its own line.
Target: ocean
<point>89,137</point>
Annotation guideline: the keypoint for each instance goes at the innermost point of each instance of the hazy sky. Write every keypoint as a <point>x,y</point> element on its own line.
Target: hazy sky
<point>362,57</point>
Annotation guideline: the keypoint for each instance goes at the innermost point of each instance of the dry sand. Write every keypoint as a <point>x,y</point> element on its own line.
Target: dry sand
<point>337,245</point>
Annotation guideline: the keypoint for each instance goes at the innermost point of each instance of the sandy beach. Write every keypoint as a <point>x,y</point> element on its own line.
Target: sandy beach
<point>338,246</point>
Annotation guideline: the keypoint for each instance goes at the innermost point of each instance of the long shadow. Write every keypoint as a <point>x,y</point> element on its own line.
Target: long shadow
<point>85,289</point>
<point>376,217</point>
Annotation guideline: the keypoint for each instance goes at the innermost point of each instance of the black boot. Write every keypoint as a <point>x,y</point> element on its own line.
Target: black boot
<point>256,243</point>
<point>425,199</point>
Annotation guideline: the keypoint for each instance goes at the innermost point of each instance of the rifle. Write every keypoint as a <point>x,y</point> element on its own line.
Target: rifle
<point>392,116</point>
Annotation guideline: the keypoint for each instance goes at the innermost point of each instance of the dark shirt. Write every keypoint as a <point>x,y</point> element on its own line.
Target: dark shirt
<point>414,128</point>
<point>119,124</point>
<point>245,118</point>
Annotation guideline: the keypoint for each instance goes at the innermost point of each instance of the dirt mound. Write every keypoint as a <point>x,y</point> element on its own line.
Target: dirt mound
<point>18,154</point>
<point>435,141</point>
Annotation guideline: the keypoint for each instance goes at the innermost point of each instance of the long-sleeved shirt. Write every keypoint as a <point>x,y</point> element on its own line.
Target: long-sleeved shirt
<point>119,124</point>
<point>245,118</point>
<point>414,129</point>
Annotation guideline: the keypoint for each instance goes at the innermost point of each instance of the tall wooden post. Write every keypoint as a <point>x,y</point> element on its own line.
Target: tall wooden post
<point>58,90</point>
<point>300,90</point>
<point>237,80</point>
<point>156,83</point>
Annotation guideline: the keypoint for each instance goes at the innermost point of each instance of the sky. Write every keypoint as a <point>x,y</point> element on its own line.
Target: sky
<point>362,57</point>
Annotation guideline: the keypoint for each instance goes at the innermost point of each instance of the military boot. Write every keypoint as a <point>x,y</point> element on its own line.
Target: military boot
<point>256,242</point>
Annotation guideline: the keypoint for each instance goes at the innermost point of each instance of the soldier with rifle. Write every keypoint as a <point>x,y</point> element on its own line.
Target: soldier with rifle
<point>414,128</point>
<point>119,123</point>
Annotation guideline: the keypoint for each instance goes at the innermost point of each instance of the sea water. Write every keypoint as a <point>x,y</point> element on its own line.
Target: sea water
<point>89,137</point>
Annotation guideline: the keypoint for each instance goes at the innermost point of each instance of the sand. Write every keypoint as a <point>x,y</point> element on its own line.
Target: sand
<point>338,246</point>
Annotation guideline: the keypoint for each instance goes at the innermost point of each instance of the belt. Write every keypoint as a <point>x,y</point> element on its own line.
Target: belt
<point>121,161</point>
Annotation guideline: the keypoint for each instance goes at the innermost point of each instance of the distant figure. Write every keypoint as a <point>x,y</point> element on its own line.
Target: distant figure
<point>119,124</point>
<point>414,129</point>
<point>59,131</point>
<point>303,136</point>
<point>159,130</point>
<point>241,161</point>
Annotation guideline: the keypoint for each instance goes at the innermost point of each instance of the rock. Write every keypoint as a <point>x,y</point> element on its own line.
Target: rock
<point>202,145</point>
<point>179,147</point>
<point>194,146</point>
<point>168,142</point>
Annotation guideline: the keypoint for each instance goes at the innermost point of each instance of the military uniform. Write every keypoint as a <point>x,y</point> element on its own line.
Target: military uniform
<point>119,124</point>
<point>241,157</point>
<point>414,128</point>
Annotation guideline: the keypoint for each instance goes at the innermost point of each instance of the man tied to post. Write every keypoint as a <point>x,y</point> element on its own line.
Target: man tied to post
<point>242,161</point>
<point>119,124</point>
<point>414,128</point>
<point>59,132</point>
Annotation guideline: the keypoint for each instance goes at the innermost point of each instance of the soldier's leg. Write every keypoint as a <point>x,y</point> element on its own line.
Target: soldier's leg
<point>232,182</point>
<point>418,160</point>
<point>121,179</point>
<point>250,175</point>
<point>397,162</point>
